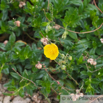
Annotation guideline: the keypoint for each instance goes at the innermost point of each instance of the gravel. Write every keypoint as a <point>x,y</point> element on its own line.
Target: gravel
<point>7,99</point>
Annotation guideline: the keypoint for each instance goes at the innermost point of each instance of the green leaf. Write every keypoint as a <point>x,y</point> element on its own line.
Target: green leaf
<point>83,72</point>
<point>72,35</point>
<point>19,68</point>
<point>15,75</point>
<point>6,69</point>
<point>3,5</point>
<point>11,88</point>
<point>5,15</point>
<point>2,46</point>
<point>13,67</point>
<point>76,2</point>
<point>100,4</point>
<point>8,94</point>
<point>21,92</point>
<point>31,86</point>
<point>3,58</point>
<point>20,43</point>
<point>91,7</point>
<point>29,91</point>
<point>12,38</point>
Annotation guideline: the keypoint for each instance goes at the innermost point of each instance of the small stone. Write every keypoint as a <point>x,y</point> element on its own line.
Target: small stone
<point>6,99</point>
<point>35,97</point>
<point>0,93</point>
<point>17,99</point>
<point>45,101</point>
<point>96,101</point>
<point>26,94</point>
<point>1,98</point>
<point>5,88</point>
<point>28,100</point>
<point>40,97</point>
<point>38,101</point>
<point>56,99</point>
<point>0,86</point>
<point>2,90</point>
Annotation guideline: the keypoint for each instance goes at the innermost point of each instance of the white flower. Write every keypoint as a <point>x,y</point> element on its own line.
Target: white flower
<point>21,4</point>
<point>44,41</point>
<point>64,34</point>
<point>101,40</point>
<point>56,27</point>
<point>48,28</point>
<point>94,63</point>
<point>90,61</point>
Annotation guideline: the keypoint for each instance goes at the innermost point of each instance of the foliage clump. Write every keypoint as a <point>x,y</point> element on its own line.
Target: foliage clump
<point>73,27</point>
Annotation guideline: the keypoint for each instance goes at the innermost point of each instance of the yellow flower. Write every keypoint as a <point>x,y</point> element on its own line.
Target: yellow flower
<point>51,51</point>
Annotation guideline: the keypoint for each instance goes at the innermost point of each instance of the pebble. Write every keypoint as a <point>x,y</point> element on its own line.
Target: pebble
<point>56,99</point>
<point>6,99</point>
<point>28,100</point>
<point>35,97</point>
<point>100,100</point>
<point>3,79</point>
<point>5,88</point>
<point>18,99</point>
<point>40,97</point>
<point>1,93</point>
<point>1,98</point>
<point>0,86</point>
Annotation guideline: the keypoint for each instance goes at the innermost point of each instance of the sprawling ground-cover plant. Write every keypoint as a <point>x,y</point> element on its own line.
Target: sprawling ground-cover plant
<point>73,27</point>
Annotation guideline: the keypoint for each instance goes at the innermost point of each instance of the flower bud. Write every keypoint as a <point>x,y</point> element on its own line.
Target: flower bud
<point>63,67</point>
<point>70,57</point>
<point>64,34</point>
<point>60,62</point>
<point>5,42</point>
<point>77,91</point>
<point>98,73</point>
<point>62,56</point>
<point>101,40</point>
<point>58,82</point>
<point>39,65</point>
<point>48,28</point>
<point>17,23</point>
<point>64,62</point>
<point>81,94</point>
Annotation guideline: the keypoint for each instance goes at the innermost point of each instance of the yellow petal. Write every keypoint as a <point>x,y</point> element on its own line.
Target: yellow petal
<point>51,51</point>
